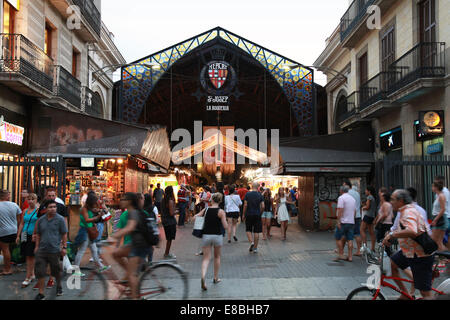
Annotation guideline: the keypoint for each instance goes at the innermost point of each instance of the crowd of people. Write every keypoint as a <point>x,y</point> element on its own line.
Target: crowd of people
<point>397,219</point>
<point>40,227</point>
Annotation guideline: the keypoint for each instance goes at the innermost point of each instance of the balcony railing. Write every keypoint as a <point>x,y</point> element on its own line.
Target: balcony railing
<point>425,60</point>
<point>353,15</point>
<point>90,13</point>
<point>67,87</point>
<point>20,55</point>
<point>375,89</point>
<point>352,108</point>
<point>92,103</point>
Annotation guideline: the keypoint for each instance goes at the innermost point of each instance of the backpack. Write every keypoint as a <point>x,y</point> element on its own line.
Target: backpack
<point>148,227</point>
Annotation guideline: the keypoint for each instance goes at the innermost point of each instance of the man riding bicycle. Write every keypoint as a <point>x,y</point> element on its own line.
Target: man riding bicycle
<point>411,254</point>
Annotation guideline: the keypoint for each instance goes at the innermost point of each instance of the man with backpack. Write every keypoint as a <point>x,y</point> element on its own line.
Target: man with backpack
<point>144,234</point>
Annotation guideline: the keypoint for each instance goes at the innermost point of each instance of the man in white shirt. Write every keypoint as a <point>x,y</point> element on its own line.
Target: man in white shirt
<point>346,211</point>
<point>356,233</point>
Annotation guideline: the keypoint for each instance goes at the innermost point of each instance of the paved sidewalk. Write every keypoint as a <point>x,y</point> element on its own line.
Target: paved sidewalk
<point>299,268</point>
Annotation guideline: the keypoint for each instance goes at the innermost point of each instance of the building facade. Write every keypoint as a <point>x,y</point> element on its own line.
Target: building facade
<point>53,50</point>
<point>57,55</point>
<point>387,65</point>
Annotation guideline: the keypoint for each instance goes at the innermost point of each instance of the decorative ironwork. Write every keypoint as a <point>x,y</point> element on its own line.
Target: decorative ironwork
<point>91,103</point>
<point>67,87</point>
<point>20,55</point>
<point>90,13</point>
<point>425,60</point>
<point>352,108</point>
<point>375,89</point>
<point>353,16</point>
<point>296,81</point>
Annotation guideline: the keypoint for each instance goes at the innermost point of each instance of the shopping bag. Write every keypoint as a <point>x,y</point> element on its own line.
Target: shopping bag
<point>67,266</point>
<point>198,225</point>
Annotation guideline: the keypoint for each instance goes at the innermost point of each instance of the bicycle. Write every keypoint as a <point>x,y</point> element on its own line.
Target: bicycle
<point>160,280</point>
<point>367,293</point>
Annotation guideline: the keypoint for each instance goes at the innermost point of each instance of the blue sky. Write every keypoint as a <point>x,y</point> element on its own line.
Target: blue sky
<point>296,29</point>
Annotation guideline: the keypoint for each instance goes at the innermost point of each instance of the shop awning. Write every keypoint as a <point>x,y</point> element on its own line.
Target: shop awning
<point>348,152</point>
<point>56,131</point>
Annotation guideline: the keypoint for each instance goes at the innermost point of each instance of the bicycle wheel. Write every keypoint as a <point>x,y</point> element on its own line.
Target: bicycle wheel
<point>364,293</point>
<point>163,282</point>
<point>91,287</point>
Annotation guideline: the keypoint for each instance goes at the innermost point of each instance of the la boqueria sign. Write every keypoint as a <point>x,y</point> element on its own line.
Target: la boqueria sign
<point>11,133</point>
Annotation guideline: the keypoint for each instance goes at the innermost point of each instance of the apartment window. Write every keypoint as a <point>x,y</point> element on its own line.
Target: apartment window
<point>9,15</point>
<point>427,11</point>
<point>363,69</point>
<point>387,48</point>
<point>428,54</point>
<point>48,45</point>
<point>75,63</point>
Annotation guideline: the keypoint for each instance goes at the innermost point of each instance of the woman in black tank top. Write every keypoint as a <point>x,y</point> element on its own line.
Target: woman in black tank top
<point>215,220</point>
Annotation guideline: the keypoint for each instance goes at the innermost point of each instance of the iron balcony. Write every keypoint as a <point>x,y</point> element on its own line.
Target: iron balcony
<point>25,67</point>
<point>67,87</point>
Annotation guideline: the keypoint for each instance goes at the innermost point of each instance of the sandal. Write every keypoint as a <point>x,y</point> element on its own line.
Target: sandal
<point>204,288</point>
<point>215,281</point>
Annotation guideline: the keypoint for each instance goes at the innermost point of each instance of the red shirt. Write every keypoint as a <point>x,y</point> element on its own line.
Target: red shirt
<point>242,192</point>
<point>24,205</point>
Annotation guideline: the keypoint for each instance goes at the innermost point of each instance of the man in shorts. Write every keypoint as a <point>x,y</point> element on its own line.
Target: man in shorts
<point>346,211</point>
<point>253,209</point>
<point>356,233</point>
<point>411,254</point>
<point>51,239</point>
<point>9,216</point>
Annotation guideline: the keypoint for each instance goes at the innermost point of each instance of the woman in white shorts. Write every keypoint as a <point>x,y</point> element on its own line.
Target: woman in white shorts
<point>215,223</point>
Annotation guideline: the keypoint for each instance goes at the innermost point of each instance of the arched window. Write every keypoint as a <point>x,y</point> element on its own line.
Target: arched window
<point>96,106</point>
<point>341,109</point>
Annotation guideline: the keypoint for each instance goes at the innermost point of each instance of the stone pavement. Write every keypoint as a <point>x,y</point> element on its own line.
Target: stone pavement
<point>300,268</point>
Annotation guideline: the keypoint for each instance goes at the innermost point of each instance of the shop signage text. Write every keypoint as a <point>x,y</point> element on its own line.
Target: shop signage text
<point>434,148</point>
<point>11,133</point>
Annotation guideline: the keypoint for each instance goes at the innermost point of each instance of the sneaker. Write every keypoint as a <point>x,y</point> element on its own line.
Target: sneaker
<point>255,250</point>
<point>50,283</point>
<point>92,260</point>
<point>39,297</point>
<point>59,292</point>
<point>251,247</point>
<point>36,286</point>
<point>26,283</point>
<point>103,269</point>
<point>78,274</point>
<point>170,256</point>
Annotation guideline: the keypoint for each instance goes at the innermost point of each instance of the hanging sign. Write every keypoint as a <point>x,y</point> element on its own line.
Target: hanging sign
<point>11,133</point>
<point>432,122</point>
<point>391,139</point>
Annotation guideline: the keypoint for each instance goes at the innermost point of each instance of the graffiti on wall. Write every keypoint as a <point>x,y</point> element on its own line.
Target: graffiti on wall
<point>328,215</point>
<point>328,192</point>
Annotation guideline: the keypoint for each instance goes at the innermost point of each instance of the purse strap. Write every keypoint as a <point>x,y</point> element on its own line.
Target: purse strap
<point>32,215</point>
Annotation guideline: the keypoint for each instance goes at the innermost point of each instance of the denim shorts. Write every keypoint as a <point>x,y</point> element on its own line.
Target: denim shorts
<point>357,231</point>
<point>140,252</point>
<point>267,215</point>
<point>345,231</point>
<point>444,227</point>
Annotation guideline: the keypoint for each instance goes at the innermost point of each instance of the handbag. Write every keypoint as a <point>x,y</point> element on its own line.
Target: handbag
<point>92,233</point>
<point>428,245</point>
<point>199,225</point>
